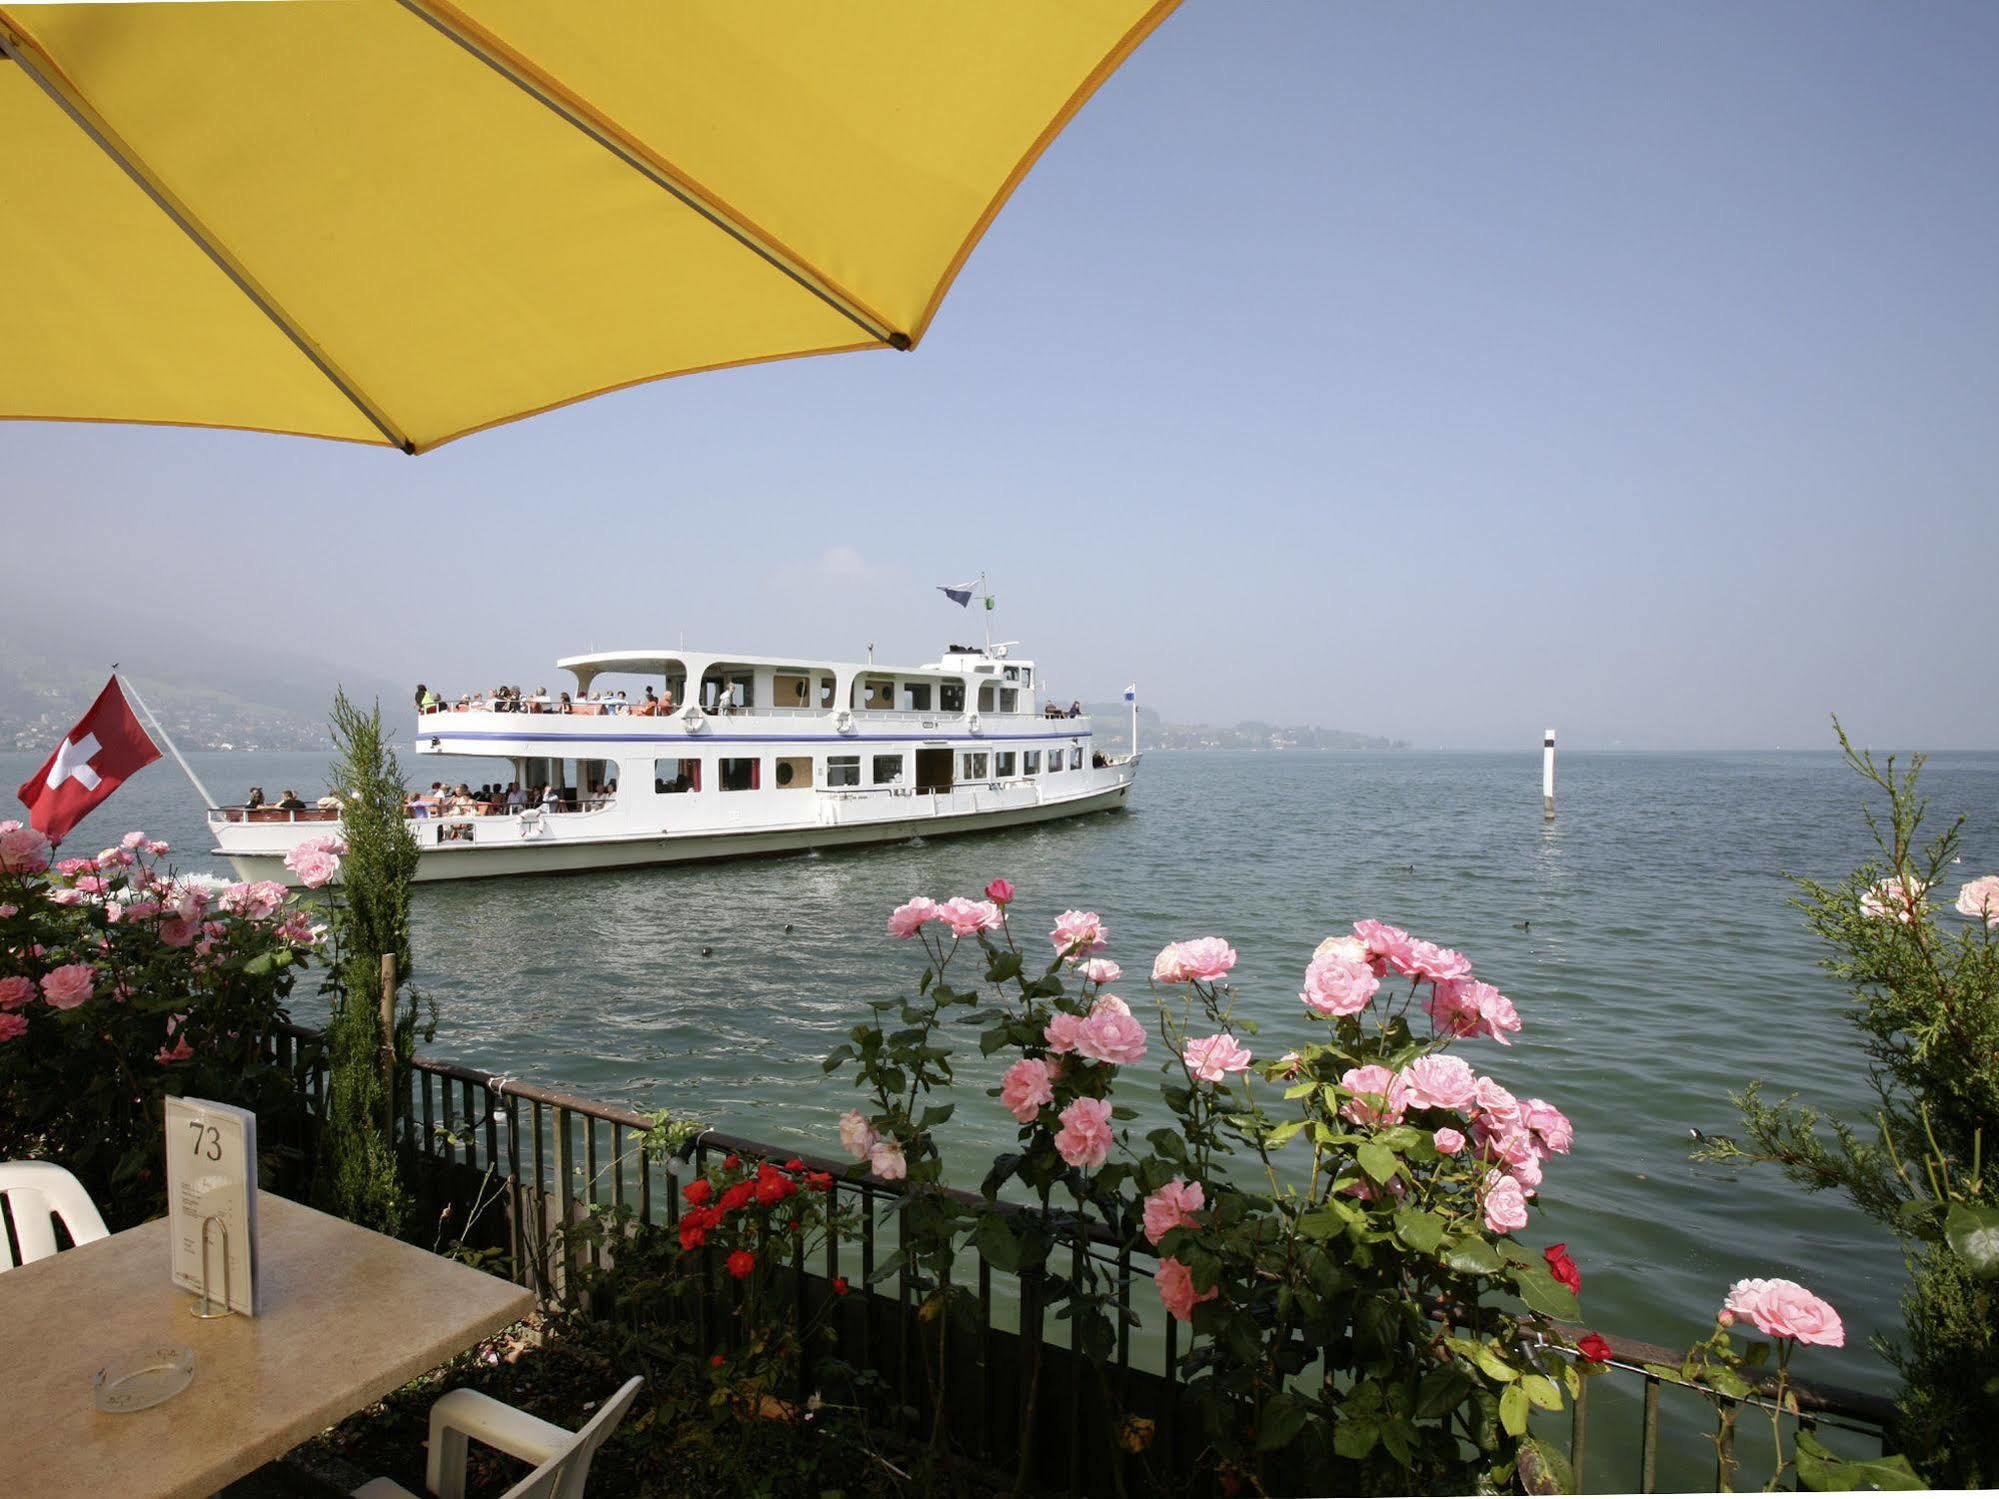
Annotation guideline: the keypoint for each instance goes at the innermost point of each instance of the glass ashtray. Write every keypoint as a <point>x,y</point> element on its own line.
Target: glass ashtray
<point>136,1381</point>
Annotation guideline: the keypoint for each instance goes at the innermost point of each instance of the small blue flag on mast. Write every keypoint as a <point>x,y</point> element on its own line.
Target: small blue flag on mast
<point>1131,693</point>
<point>961,595</point>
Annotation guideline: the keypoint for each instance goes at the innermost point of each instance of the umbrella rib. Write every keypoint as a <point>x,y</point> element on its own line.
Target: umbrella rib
<point>67,98</point>
<point>452,23</point>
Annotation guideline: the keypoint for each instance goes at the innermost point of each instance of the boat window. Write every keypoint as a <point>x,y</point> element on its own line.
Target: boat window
<point>1027,676</point>
<point>843,770</point>
<point>825,692</point>
<point>1054,761</point>
<point>674,776</point>
<point>975,766</point>
<point>740,775</point>
<point>794,772</point>
<point>916,696</point>
<point>790,690</point>
<point>1075,759</point>
<point>888,770</point>
<point>1003,763</point>
<point>1031,763</point>
<point>986,697</point>
<point>951,696</point>
<point>880,694</point>
<point>1009,700</point>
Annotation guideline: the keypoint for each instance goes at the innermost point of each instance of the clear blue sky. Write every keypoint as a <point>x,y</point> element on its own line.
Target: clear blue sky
<point>1437,370</point>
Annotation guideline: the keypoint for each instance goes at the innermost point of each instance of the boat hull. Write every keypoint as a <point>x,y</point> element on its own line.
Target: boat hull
<point>465,861</point>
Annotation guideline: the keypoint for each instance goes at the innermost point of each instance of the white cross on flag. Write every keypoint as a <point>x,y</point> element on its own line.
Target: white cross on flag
<point>105,747</point>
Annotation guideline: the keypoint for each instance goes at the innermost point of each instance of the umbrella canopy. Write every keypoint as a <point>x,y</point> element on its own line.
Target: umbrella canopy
<point>400,221</point>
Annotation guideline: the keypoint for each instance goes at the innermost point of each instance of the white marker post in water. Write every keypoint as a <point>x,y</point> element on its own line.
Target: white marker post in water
<point>1131,696</point>
<point>1548,774</point>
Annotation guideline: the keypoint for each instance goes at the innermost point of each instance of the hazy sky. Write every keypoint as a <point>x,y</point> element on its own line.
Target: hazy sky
<point>1436,370</point>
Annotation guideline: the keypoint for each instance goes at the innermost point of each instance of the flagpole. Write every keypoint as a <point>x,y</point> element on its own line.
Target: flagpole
<point>125,685</point>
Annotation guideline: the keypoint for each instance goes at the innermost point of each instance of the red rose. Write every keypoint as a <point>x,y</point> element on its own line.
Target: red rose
<point>839,1285</point>
<point>741,1263</point>
<point>1562,1267</point>
<point>1596,1348</point>
<point>731,1162</point>
<point>698,1191</point>
<point>715,1362</point>
<point>692,1235</point>
<point>820,1181</point>
<point>794,1164</point>
<point>737,1196</point>
<point>1000,892</point>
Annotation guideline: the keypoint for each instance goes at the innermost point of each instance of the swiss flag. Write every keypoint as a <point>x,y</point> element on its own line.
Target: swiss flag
<point>106,746</point>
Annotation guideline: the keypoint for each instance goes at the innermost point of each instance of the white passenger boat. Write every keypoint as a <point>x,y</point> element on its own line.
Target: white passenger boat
<point>764,755</point>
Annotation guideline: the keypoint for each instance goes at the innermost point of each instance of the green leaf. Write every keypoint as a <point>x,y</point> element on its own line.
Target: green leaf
<point>992,1040</point>
<point>1355,1436</point>
<point>1972,1231</point>
<point>935,1115</point>
<point>1323,1224</point>
<point>1544,1470</point>
<point>1494,1366</point>
<point>1168,1142</point>
<point>1441,1391</point>
<point>1546,1295</point>
<point>1282,1135</point>
<point>996,1243</point>
<point>1542,1391</point>
<point>1421,1231</point>
<point>1728,1382</point>
<point>1513,1410</point>
<point>1472,1256</point>
<point>1819,1469</point>
<point>1377,1161</point>
<point>835,1057</point>
<point>1284,1416</point>
<point>1004,966</point>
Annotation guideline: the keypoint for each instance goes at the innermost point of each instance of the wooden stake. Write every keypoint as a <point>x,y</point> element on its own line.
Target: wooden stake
<point>389,1045</point>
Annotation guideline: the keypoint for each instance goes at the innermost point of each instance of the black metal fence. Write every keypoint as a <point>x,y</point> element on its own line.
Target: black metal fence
<point>515,1161</point>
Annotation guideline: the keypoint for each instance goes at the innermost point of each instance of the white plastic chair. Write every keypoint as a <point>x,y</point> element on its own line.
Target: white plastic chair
<point>37,1192</point>
<point>562,1456</point>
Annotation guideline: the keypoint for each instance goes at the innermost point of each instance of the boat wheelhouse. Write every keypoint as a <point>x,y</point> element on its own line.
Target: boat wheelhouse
<point>699,755</point>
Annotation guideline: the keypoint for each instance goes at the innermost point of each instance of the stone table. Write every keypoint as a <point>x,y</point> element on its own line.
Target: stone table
<point>348,1316</point>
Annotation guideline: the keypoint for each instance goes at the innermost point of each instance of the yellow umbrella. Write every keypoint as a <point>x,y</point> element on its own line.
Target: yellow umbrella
<point>401,221</point>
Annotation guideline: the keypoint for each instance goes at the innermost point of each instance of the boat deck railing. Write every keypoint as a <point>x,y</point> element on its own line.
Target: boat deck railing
<point>554,1158</point>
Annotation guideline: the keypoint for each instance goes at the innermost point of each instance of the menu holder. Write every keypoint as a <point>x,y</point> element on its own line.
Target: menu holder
<point>212,1202</point>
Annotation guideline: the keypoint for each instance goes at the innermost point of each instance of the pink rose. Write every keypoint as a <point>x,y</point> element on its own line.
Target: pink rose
<point>1172,1206</point>
<point>1026,1089</point>
<point>1505,1204</point>
<point>1438,1082</point>
<point>1550,1124</point>
<point>67,987</point>
<point>1387,946</point>
<point>1100,971</point>
<point>16,992</point>
<point>967,917</point>
<point>1084,1140</point>
<point>1351,949</point>
<point>256,902</point>
<point>158,849</point>
<point>12,1025</point>
<point>1979,899</point>
<point>1467,1007</point>
<point>312,867</point>
<point>1448,1141</point>
<point>1379,1096</point>
<point>908,918</point>
<point>1498,1109</point>
<point>1078,934</point>
<point>1061,1032</point>
<point>1203,960</point>
<point>177,1050</point>
<point>1111,1034</point>
<point>1785,1309</point>
<point>1000,892</point>
<point>177,932</point>
<point>1213,1058</point>
<point>1527,1172</point>
<point>1429,961</point>
<point>857,1136</point>
<point>1894,898</point>
<point>23,850</point>
<point>324,843</point>
<point>886,1161</point>
<point>8,909</point>
<point>131,840</point>
<point>1176,1290</point>
<point>1338,985</point>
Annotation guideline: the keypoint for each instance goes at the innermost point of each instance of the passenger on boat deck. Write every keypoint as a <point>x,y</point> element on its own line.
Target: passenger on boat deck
<point>565,706</point>
<point>651,704</point>
<point>328,803</point>
<point>1075,708</point>
<point>413,805</point>
<point>425,698</point>
<point>255,799</point>
<point>289,802</point>
<point>551,799</point>
<point>517,799</point>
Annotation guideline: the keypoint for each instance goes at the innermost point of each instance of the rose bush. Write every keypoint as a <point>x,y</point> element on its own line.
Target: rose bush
<point>122,982</point>
<point>1337,1226</point>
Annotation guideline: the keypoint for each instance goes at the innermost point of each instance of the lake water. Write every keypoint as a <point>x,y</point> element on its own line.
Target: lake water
<point>1645,936</point>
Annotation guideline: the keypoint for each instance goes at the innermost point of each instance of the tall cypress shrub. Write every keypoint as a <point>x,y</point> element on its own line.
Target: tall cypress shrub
<point>359,1177</point>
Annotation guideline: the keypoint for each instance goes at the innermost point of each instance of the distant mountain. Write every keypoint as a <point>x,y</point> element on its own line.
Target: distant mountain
<point>210,691</point>
<point>1113,731</point>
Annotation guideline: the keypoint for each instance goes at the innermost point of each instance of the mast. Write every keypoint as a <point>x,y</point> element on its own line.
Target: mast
<point>125,685</point>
